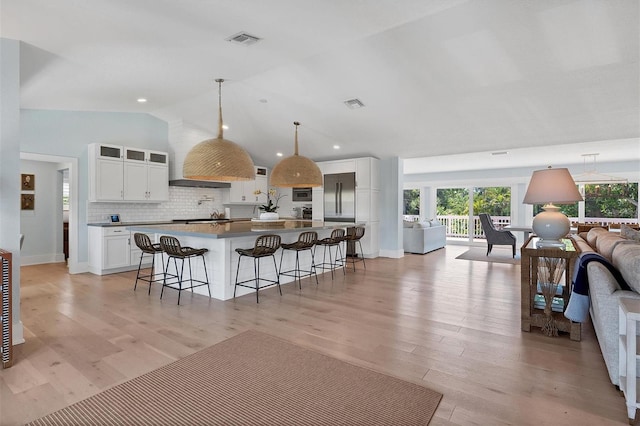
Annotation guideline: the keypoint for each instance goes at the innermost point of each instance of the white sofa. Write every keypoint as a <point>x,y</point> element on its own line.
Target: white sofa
<point>423,237</point>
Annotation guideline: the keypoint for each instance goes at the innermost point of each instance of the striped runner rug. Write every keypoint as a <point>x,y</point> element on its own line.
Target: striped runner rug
<point>255,379</point>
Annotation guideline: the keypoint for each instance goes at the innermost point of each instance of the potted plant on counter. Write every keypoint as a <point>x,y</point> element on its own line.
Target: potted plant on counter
<point>269,210</point>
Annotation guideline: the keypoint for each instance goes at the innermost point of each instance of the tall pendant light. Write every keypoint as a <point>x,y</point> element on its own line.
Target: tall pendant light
<point>296,171</point>
<point>218,159</point>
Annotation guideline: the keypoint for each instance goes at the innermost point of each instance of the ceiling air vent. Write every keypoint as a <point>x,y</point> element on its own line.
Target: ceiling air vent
<point>354,103</point>
<point>244,39</point>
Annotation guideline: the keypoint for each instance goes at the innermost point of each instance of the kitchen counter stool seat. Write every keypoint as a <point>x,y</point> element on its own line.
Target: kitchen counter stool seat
<point>306,242</point>
<point>144,243</point>
<point>335,240</point>
<point>265,245</point>
<point>354,235</point>
<point>171,246</point>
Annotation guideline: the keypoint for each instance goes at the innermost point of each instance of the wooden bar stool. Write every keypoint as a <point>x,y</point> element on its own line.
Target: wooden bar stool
<point>336,238</point>
<point>144,243</point>
<point>306,242</point>
<point>266,245</point>
<point>171,246</point>
<point>354,235</point>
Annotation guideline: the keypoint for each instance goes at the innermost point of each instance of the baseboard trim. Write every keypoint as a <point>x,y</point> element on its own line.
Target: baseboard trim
<point>17,333</point>
<point>394,254</point>
<point>41,259</point>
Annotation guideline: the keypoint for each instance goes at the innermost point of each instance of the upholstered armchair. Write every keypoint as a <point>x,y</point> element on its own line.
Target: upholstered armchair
<point>496,236</point>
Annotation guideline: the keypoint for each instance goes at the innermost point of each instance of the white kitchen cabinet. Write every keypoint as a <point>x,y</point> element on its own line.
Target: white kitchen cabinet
<point>105,172</point>
<point>107,181</point>
<point>146,175</point>
<point>116,250</point>
<point>368,173</point>
<point>244,191</point>
<point>317,203</point>
<point>112,249</point>
<point>127,174</point>
<point>157,183</point>
<point>338,166</point>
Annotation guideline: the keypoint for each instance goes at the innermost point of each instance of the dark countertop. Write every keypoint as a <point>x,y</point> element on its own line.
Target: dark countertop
<point>162,222</point>
<point>178,221</point>
<point>237,228</point>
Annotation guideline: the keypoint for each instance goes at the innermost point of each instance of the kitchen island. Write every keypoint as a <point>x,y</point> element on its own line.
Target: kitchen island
<point>221,239</point>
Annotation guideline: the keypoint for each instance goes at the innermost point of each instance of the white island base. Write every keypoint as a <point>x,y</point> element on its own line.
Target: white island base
<point>222,259</point>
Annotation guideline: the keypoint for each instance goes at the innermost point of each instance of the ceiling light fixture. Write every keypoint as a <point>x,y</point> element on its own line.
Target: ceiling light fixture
<point>244,39</point>
<point>142,100</point>
<point>591,176</point>
<point>354,103</point>
<point>218,159</point>
<point>296,171</point>
<point>336,147</point>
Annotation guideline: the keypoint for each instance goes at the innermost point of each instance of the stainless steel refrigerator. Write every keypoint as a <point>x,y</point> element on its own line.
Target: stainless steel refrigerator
<point>340,197</point>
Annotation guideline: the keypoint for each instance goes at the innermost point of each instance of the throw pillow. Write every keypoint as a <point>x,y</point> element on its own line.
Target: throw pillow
<point>434,222</point>
<point>629,233</point>
<point>422,225</point>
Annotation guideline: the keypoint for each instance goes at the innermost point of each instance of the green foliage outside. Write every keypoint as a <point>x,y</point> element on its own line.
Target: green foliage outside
<point>611,200</point>
<point>452,202</point>
<point>614,200</point>
<point>493,200</point>
<point>411,199</point>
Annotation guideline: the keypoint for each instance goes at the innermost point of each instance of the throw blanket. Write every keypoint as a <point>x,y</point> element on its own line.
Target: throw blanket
<point>578,305</point>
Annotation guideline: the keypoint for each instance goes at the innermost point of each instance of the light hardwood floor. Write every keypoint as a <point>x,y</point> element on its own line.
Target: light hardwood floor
<point>453,325</point>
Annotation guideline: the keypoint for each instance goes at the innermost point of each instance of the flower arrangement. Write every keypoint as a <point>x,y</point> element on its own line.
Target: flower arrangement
<point>271,206</point>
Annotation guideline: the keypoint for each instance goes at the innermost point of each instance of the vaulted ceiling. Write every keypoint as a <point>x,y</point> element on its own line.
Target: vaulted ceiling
<point>436,77</point>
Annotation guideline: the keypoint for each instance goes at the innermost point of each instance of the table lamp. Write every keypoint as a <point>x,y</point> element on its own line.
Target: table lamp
<point>549,186</point>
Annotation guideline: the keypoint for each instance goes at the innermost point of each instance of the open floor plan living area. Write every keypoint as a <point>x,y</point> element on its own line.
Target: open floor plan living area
<point>302,212</point>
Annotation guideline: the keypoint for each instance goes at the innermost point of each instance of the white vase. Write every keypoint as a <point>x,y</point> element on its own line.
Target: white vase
<point>269,216</point>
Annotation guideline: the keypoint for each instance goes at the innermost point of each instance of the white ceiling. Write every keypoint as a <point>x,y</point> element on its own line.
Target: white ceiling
<point>436,77</point>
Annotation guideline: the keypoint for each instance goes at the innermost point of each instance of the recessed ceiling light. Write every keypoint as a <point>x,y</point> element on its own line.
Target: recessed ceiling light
<point>263,101</point>
<point>142,100</point>
<point>279,154</point>
<point>225,127</point>
<point>336,147</point>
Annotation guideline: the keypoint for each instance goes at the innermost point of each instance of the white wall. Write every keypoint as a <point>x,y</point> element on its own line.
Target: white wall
<point>391,208</point>
<point>67,134</point>
<point>42,226</point>
<point>10,168</point>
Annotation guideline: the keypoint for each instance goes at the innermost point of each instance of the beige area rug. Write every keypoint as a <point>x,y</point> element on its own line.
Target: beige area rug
<point>497,255</point>
<point>255,379</point>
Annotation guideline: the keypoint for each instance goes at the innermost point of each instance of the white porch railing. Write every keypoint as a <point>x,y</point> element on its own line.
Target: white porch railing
<point>458,226</point>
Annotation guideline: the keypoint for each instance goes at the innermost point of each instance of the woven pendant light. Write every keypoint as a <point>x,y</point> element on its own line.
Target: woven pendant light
<point>218,159</point>
<point>296,171</point>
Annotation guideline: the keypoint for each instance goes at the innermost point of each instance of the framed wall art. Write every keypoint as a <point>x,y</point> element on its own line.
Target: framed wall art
<point>27,201</point>
<point>28,182</point>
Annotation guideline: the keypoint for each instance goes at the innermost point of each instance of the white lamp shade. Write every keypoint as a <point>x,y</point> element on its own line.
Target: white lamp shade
<point>552,186</point>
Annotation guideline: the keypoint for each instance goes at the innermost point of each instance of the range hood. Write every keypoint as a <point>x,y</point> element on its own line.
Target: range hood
<point>192,183</point>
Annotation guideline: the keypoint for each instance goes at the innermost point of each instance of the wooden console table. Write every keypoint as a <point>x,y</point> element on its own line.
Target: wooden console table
<point>532,314</point>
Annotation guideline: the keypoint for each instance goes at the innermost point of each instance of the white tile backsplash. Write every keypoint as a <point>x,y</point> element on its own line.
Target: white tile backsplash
<point>184,203</point>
